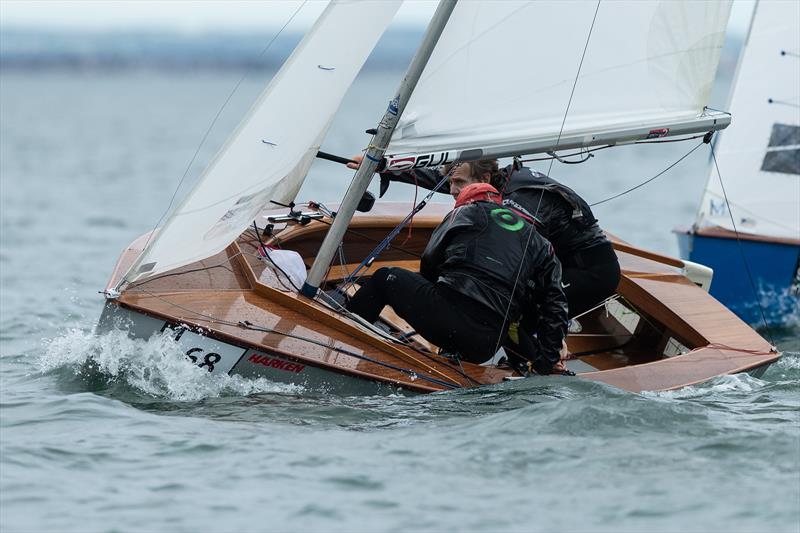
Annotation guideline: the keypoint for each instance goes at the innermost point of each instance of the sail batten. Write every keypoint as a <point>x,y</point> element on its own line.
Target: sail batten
<point>269,154</point>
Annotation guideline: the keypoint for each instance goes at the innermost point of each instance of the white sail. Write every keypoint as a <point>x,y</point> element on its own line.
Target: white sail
<point>269,154</point>
<point>502,72</point>
<point>759,158</point>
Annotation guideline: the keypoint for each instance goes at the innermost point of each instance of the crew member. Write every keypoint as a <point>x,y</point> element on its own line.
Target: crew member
<point>483,266</point>
<point>590,267</point>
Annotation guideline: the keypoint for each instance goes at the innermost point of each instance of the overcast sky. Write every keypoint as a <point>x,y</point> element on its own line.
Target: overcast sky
<point>184,15</point>
<point>202,15</point>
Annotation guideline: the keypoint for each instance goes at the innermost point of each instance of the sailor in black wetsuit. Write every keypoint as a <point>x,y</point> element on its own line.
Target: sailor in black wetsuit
<point>483,266</point>
<point>590,267</point>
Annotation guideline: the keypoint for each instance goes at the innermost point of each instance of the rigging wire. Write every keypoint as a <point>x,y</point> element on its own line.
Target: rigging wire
<point>338,308</point>
<point>574,85</point>
<point>267,256</point>
<point>353,277</point>
<point>687,154</point>
<point>223,264</point>
<point>414,375</point>
<point>541,194</point>
<point>741,251</point>
<point>345,313</point>
<point>214,122</point>
<point>366,238</point>
<point>605,147</point>
<point>341,310</point>
<point>250,326</point>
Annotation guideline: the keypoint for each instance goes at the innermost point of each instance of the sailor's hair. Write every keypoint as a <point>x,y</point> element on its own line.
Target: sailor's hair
<point>478,168</point>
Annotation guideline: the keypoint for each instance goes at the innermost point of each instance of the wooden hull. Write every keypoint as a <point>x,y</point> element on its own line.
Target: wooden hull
<point>662,333</point>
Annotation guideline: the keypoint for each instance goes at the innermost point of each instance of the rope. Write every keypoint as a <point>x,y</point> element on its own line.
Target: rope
<point>590,151</point>
<point>720,346</point>
<point>267,256</point>
<point>181,272</point>
<point>623,193</point>
<point>574,84</point>
<point>353,276</point>
<point>610,299</point>
<point>248,325</point>
<point>338,308</point>
<point>541,194</point>
<point>372,239</point>
<point>741,250</point>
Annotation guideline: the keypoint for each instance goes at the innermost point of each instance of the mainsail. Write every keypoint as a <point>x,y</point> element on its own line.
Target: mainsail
<point>269,154</point>
<point>500,79</point>
<point>759,159</point>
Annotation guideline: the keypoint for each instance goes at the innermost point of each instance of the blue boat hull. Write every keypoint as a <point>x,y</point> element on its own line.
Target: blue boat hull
<point>774,269</point>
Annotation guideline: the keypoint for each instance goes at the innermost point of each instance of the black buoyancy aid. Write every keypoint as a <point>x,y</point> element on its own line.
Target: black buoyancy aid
<point>484,251</point>
<point>526,179</point>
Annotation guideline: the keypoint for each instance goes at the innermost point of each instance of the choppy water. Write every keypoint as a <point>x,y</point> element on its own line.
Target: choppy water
<point>87,163</point>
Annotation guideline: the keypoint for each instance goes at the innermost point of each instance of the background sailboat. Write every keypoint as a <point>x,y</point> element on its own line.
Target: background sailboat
<point>748,224</point>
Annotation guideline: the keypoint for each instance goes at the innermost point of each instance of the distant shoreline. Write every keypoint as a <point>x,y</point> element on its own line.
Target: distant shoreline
<point>39,49</point>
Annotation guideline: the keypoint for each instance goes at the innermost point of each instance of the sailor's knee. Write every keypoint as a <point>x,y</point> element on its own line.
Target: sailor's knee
<point>385,274</point>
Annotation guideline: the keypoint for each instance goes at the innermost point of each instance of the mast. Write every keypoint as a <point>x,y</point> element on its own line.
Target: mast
<point>377,148</point>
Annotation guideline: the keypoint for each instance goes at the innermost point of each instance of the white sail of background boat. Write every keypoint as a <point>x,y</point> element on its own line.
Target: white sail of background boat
<point>268,156</point>
<point>499,81</point>
<point>759,161</point>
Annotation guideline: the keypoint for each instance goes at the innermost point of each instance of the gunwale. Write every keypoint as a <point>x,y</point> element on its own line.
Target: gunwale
<point>719,342</point>
<point>724,233</point>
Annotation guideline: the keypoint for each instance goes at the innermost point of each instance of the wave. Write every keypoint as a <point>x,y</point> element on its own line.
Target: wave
<point>156,368</point>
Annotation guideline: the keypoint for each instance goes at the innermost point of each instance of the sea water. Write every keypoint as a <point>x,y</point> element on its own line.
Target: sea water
<point>143,441</point>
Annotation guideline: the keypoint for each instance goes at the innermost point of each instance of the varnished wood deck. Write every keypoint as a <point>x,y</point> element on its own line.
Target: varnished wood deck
<point>221,292</point>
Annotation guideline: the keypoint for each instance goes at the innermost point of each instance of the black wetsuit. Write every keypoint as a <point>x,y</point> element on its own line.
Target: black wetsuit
<point>590,266</point>
<point>483,267</point>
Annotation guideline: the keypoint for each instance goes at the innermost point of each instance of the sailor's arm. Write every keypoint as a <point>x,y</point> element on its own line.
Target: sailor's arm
<point>552,305</point>
<point>427,178</point>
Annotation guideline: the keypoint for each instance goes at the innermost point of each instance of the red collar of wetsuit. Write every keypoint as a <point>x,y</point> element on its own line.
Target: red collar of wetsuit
<point>477,192</point>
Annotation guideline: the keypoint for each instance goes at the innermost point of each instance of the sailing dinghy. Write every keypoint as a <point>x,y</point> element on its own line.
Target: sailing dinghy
<point>748,225</point>
<point>211,275</point>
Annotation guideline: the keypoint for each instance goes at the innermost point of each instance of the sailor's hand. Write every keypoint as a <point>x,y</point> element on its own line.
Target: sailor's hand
<point>358,159</point>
